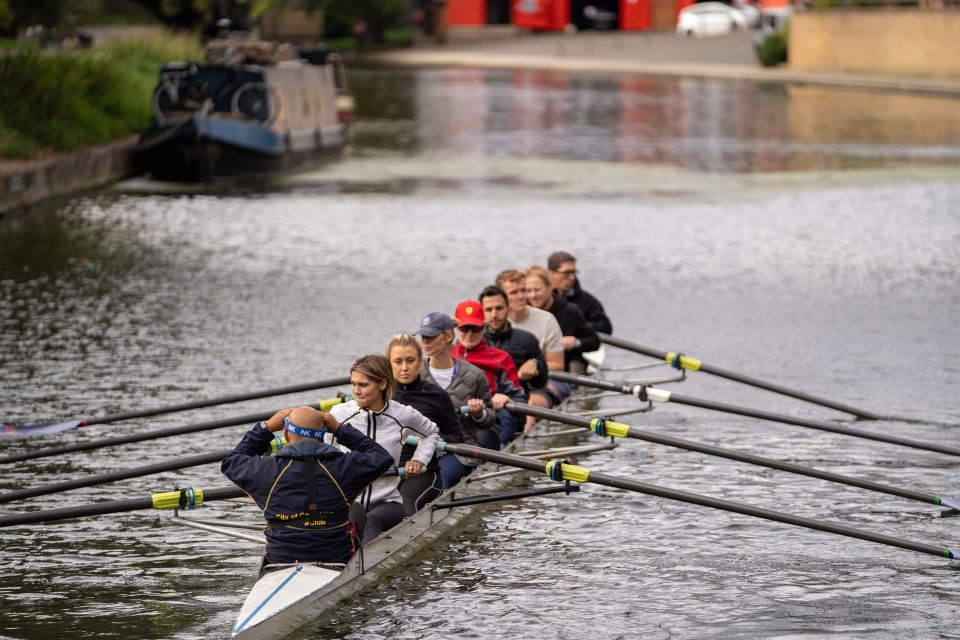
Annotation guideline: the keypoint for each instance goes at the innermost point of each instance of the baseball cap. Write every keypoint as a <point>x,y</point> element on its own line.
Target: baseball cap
<point>469,312</point>
<point>433,323</point>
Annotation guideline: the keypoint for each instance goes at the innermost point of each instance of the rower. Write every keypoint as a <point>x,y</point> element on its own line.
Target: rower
<point>524,316</point>
<point>374,413</point>
<point>496,363</point>
<point>406,358</point>
<point>318,529</point>
<point>466,385</point>
<point>522,346</point>
<point>541,324</point>
<point>578,336</point>
<point>563,278</point>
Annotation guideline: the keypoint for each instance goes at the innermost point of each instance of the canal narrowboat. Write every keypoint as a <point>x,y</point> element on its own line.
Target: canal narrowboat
<point>253,108</point>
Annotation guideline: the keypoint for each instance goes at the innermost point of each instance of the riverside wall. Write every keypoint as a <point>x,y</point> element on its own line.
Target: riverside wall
<point>27,183</point>
<point>912,42</point>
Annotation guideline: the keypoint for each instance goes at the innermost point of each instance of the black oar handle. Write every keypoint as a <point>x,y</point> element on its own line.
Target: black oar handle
<point>680,443</point>
<point>739,377</point>
<point>103,508</point>
<point>199,404</point>
<point>581,474</point>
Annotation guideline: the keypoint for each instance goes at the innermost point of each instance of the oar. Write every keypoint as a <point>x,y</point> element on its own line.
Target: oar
<point>57,427</point>
<point>123,474</point>
<point>681,361</point>
<point>560,471</point>
<point>158,467</point>
<point>90,445</point>
<point>660,395</point>
<point>186,498</point>
<point>604,427</point>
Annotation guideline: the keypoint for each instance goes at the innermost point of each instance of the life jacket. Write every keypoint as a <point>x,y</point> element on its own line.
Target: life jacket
<point>312,455</point>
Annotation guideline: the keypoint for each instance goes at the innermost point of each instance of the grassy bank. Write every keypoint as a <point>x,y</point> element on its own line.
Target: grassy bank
<point>62,100</point>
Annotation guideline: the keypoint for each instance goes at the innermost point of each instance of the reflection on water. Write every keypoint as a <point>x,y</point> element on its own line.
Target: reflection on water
<point>700,125</point>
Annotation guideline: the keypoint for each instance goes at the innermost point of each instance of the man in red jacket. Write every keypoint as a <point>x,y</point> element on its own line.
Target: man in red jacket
<point>496,364</point>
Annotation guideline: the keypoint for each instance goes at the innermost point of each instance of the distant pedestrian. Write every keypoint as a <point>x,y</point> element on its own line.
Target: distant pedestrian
<point>361,34</point>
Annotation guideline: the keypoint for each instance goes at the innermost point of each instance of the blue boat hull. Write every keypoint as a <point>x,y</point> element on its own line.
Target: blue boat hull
<point>199,149</point>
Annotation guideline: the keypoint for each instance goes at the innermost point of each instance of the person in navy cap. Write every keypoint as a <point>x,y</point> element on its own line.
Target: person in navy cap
<point>467,386</point>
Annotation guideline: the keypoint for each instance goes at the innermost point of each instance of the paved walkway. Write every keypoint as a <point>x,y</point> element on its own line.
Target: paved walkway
<point>660,54</point>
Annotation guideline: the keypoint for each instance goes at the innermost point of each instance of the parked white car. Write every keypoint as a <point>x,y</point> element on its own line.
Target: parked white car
<point>713,19</point>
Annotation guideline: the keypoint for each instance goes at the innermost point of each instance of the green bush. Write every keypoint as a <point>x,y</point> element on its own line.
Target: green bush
<point>59,100</point>
<point>773,49</point>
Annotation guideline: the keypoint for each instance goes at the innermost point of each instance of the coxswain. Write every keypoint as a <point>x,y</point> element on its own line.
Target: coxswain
<point>578,336</point>
<point>306,489</point>
<point>497,364</point>
<point>563,277</point>
<point>375,414</point>
<point>522,346</point>
<point>467,387</point>
<point>406,358</point>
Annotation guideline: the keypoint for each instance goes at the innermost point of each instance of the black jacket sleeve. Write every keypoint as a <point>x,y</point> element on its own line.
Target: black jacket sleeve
<point>594,312</point>
<point>447,419</point>
<point>589,340</point>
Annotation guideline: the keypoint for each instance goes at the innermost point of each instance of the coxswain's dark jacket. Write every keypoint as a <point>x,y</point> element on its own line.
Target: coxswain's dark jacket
<point>278,485</point>
<point>591,308</point>
<point>522,346</point>
<point>572,323</point>
<point>433,402</point>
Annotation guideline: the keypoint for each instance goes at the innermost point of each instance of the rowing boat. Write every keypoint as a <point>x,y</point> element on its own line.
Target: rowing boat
<point>285,599</point>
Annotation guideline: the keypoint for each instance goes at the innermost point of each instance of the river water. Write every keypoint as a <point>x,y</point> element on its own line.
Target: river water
<point>800,235</point>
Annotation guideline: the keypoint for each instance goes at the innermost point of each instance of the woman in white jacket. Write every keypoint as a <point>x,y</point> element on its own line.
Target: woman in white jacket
<point>373,413</point>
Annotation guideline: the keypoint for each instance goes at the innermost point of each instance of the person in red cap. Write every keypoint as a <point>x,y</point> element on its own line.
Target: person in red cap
<point>497,364</point>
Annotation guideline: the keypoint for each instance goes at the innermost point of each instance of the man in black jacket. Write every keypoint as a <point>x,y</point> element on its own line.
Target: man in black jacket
<point>523,347</point>
<point>563,276</point>
<point>306,489</point>
<point>578,335</point>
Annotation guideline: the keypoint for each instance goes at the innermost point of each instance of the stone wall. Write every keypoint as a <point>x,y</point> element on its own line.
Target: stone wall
<point>24,183</point>
<point>906,41</point>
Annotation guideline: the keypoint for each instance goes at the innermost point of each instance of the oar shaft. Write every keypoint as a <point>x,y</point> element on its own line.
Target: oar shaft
<point>580,474</point>
<point>812,424</point>
<point>739,377</point>
<point>152,435</point>
<point>114,476</point>
<point>103,508</point>
<point>689,445</point>
<point>199,404</point>
<point>661,395</point>
<point>100,443</point>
